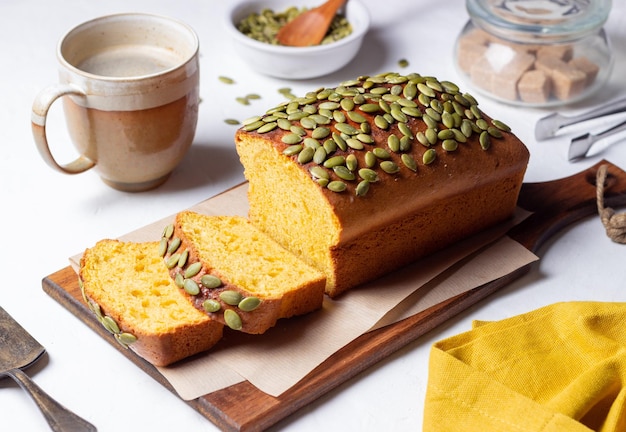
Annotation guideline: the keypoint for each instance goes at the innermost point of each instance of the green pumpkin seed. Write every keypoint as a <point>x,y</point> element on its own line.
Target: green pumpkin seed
<point>449,145</point>
<point>337,186</point>
<point>191,287</point>
<point>249,304</point>
<point>329,105</point>
<point>429,156</point>
<point>306,155</point>
<point>445,134</point>
<point>163,246</point>
<point>320,132</point>
<point>211,305</point>
<point>346,128</point>
<point>500,125</point>
<point>193,270</point>
<point>179,280</point>
<point>431,135</point>
<point>226,80</point>
<point>421,137</point>
<point>484,140</point>
<point>311,142</point>
<point>410,90</point>
<point>426,90</point>
<point>409,162</point>
<point>284,124</point>
<point>347,104</point>
<point>356,117</point>
<point>389,167</point>
<point>341,143</point>
<point>405,143</point>
<point>449,87</point>
<point>447,119</point>
<point>458,135</point>
<point>210,281</point>
<point>494,132</point>
<point>404,129</point>
<point>431,123</point>
<point>319,172</point>
<point>126,338</point>
<point>466,128</point>
<point>370,108</point>
<point>482,124</point>
<point>370,159</point>
<point>380,122</point>
<point>335,161</point>
<point>292,150</point>
<point>381,153</point>
<point>355,144</point>
<point>339,116</point>
<point>172,261</point>
<point>432,113</point>
<point>232,319</point>
<point>168,231</point>
<point>174,245</point>
<point>398,115</point>
<point>344,173</point>
<point>319,156</point>
<point>394,142</point>
<point>267,127</point>
<point>362,188</point>
<point>231,297</point>
<point>182,260</point>
<point>291,138</point>
<point>110,324</point>
<point>351,162</point>
<point>368,175</point>
<point>462,100</point>
<point>330,146</point>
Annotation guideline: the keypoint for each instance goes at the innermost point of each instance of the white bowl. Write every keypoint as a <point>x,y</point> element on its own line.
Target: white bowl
<point>296,62</point>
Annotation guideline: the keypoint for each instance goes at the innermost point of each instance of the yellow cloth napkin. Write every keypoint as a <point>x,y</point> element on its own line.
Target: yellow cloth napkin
<point>560,368</point>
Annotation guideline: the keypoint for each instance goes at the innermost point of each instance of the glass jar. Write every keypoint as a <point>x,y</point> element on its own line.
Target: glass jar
<point>535,52</point>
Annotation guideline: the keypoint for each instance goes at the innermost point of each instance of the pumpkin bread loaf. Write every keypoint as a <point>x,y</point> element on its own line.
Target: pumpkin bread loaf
<point>237,274</point>
<point>132,294</point>
<point>378,172</point>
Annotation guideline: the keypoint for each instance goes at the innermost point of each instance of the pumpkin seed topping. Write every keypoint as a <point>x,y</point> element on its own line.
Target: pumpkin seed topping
<point>334,131</point>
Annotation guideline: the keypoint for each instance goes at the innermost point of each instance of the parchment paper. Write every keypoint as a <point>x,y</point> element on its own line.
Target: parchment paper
<point>278,359</point>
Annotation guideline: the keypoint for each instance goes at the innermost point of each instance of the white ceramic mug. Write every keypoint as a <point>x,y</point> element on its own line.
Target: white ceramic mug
<point>130,90</point>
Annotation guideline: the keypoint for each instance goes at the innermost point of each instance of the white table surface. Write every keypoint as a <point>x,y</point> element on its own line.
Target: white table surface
<point>47,216</point>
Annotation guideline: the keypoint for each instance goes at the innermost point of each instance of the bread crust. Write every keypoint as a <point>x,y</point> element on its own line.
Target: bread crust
<point>403,216</point>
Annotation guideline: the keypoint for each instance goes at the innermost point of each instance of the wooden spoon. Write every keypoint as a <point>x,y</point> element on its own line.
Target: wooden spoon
<point>309,27</point>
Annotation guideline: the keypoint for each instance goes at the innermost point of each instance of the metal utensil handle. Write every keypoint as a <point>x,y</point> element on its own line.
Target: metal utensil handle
<point>614,107</point>
<point>58,417</point>
<point>613,130</point>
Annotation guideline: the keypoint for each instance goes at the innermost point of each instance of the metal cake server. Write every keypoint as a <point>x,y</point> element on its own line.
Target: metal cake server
<point>18,350</point>
<point>580,145</point>
<point>548,126</point>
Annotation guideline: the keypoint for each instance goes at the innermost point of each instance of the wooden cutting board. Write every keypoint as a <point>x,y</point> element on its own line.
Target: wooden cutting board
<point>242,407</point>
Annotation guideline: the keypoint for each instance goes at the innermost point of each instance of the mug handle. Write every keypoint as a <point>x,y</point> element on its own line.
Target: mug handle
<point>41,106</point>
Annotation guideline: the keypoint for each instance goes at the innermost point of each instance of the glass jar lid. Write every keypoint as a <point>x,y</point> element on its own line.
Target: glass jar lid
<point>533,20</point>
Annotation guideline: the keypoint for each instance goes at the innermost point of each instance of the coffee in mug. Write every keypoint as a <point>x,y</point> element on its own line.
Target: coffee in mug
<point>130,90</point>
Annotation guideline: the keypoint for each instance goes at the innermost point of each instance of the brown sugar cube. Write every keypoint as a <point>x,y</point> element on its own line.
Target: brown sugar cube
<point>567,81</point>
<point>561,52</point>
<point>588,67</point>
<point>468,55</point>
<point>482,73</point>
<point>534,87</point>
<point>505,81</point>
